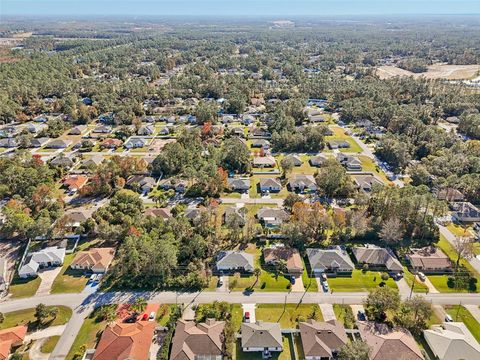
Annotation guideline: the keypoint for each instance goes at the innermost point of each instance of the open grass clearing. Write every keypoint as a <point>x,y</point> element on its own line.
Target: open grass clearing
<point>344,314</point>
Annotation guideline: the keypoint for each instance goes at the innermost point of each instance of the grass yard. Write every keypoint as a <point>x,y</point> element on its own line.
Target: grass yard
<point>49,344</point>
<point>309,283</point>
<point>459,313</point>
<point>305,168</point>
<point>344,314</point>
<point>163,314</point>
<point>339,134</point>
<point>457,230</point>
<point>359,281</point>
<point>369,166</point>
<point>27,317</point>
<point>20,288</point>
<point>284,355</point>
<point>288,315</point>
<point>409,278</point>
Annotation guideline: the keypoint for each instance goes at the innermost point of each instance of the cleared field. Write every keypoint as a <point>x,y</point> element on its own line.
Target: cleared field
<point>437,71</point>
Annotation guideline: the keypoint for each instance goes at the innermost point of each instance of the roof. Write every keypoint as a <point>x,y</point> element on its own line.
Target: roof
<point>388,343</point>
<point>450,194</point>
<point>204,339</point>
<point>79,215</point>
<point>49,254</point>
<point>321,339</point>
<point>270,183</point>
<point>296,160</point>
<point>235,259</point>
<point>11,337</point>
<point>289,255</point>
<point>302,180</point>
<point>429,257</point>
<point>318,160</point>
<point>98,258</point>
<point>239,183</point>
<point>261,335</point>
<point>272,213</point>
<point>164,213</point>
<point>329,259</point>
<point>124,341</point>
<point>366,181</point>
<point>452,341</point>
<point>75,182</point>
<point>375,255</point>
<point>264,160</point>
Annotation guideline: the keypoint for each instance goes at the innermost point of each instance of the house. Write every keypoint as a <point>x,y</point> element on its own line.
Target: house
<point>10,338</point>
<point>261,133</point>
<point>238,215</point>
<point>366,182</point>
<point>377,257</point>
<point>450,194</point>
<point>452,341</point>
<point>334,260</point>
<point>178,185</point>
<point>164,213</point>
<point>198,341</point>
<point>122,341</point>
<point>77,130</point>
<point>141,183</point>
<point>96,260</point>
<point>135,143</point>
<point>318,160</point>
<point>272,217</point>
<point>295,160</point>
<point>111,143</point>
<point>321,340</point>
<point>45,258</point>
<point>270,185</point>
<point>291,257</point>
<point>429,258</point>
<point>301,183</point>
<point>260,143</point>
<point>262,337</point>
<point>386,343</point>
<point>38,142</point>
<point>350,162</point>
<point>465,212</point>
<point>146,130</point>
<point>264,161</point>
<point>102,129</point>
<point>241,185</point>
<point>62,161</point>
<point>233,260</point>
<point>149,119</point>
<point>75,217</point>
<point>226,119</point>
<point>8,143</point>
<point>338,144</point>
<point>75,182</point>
<point>164,130</point>
<point>94,161</point>
<point>58,144</point>
<point>193,214</point>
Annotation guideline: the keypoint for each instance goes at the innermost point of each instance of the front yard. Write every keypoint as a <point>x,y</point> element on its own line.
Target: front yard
<point>27,317</point>
<point>359,281</point>
<point>460,313</point>
<point>410,278</point>
<point>20,288</point>
<point>288,315</point>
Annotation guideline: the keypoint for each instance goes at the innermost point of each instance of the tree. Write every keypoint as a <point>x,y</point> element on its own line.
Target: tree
<point>108,313</point>
<point>287,165</point>
<point>139,304</point>
<point>236,156</point>
<point>291,199</point>
<point>206,112</point>
<point>354,350</point>
<point>391,231</point>
<point>381,303</point>
<point>41,313</point>
<point>332,180</point>
<point>414,314</point>
<point>464,247</point>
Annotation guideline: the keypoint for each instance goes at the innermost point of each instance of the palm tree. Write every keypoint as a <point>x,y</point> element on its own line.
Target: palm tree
<point>139,304</point>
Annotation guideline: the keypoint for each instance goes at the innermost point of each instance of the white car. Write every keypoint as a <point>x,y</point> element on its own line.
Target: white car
<point>421,276</point>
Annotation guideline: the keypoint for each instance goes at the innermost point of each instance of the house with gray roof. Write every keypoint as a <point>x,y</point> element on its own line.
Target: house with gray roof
<point>302,182</point>
<point>338,144</point>
<point>318,160</point>
<point>62,161</point>
<point>8,143</point>
<point>240,185</point>
<point>58,144</point>
<point>232,213</point>
<point>234,260</point>
<point>45,258</point>
<point>135,143</point>
<point>146,130</point>
<point>366,182</point>
<point>262,337</point>
<point>351,163</point>
<point>270,185</point>
<point>272,217</point>
<point>264,161</point>
<point>376,256</point>
<point>334,260</point>
<point>38,142</point>
<point>295,160</point>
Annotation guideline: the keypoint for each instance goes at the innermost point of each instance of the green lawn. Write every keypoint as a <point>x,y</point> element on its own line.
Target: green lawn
<point>20,288</point>
<point>369,166</point>
<point>27,317</point>
<point>309,283</point>
<point>458,230</point>
<point>459,313</point>
<point>49,344</point>
<point>339,134</point>
<point>305,168</point>
<point>344,314</point>
<point>163,314</point>
<point>288,315</point>
<point>410,278</point>
<point>88,335</point>
<point>359,281</point>
<point>440,283</point>
<point>284,355</point>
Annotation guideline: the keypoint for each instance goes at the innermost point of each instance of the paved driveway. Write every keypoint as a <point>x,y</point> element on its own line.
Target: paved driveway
<point>327,312</point>
<point>47,276</point>
<point>431,288</point>
<point>356,309</point>
<point>251,309</point>
<point>298,286</point>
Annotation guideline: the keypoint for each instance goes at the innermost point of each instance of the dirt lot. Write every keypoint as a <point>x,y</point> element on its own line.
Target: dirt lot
<point>437,71</point>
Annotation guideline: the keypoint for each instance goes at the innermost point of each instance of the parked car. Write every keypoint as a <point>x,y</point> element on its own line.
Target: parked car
<point>361,316</point>
<point>421,276</point>
<point>292,280</point>
<point>247,316</point>
<point>220,282</point>
<point>326,288</point>
<point>152,316</point>
<point>448,318</point>
<point>323,277</point>
<point>145,317</point>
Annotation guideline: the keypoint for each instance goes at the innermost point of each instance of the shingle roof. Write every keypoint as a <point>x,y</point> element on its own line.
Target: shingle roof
<point>429,257</point>
<point>261,335</point>
<point>375,255</point>
<point>235,259</point>
<point>320,339</point>
<point>289,255</point>
<point>95,258</point>
<point>329,259</point>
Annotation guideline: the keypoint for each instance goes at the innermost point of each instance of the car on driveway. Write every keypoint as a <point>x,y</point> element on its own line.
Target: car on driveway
<point>247,316</point>
<point>421,276</point>
<point>448,318</point>
<point>325,286</point>
<point>361,316</point>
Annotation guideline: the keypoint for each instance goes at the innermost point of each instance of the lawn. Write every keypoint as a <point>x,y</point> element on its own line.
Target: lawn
<point>339,134</point>
<point>284,355</point>
<point>305,168</point>
<point>458,230</point>
<point>359,281</point>
<point>27,317</point>
<point>88,335</point>
<point>459,313</point>
<point>163,314</point>
<point>368,165</point>
<point>309,283</point>
<point>288,315</point>
<point>49,344</point>
<point>20,288</point>
<point>418,285</point>
<point>440,283</point>
<point>344,314</point>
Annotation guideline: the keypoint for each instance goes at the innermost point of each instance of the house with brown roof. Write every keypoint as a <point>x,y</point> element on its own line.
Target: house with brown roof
<point>111,143</point>
<point>75,182</point>
<point>321,340</point>
<point>429,258</point>
<point>450,194</point>
<point>164,213</point>
<point>198,341</point>
<point>377,257</point>
<point>388,344</point>
<point>126,341</point>
<point>12,337</point>
<point>290,256</point>
<point>96,260</point>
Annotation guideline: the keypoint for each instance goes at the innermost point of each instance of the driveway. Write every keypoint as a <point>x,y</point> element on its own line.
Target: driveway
<point>356,309</point>
<point>45,333</point>
<point>298,286</point>
<point>327,311</point>
<point>439,311</point>
<point>251,309</point>
<point>474,310</point>
<point>403,287</point>
<point>450,237</point>
<point>35,351</point>
<point>224,287</point>
<point>429,285</point>
<point>47,276</point>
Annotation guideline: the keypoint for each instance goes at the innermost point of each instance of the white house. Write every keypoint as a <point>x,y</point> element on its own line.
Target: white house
<point>45,258</point>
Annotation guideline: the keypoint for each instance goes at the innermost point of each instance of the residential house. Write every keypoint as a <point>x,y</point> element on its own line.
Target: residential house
<point>93,161</point>
<point>58,144</point>
<point>264,161</point>
<point>452,341</point>
<point>465,212</point>
<point>164,213</point>
<point>8,143</point>
<point>301,183</point>
<point>75,217</point>
<point>450,194</point>
<point>45,258</point>
<point>124,341</point>
<point>248,120</point>
<point>260,133</point>
<point>272,217</point>
<point>77,130</point>
<point>135,143</point>
<point>295,160</point>
<point>149,119</point>
<point>262,337</point>
<point>164,130</point>
<point>38,142</point>
<point>428,259</point>
<point>321,340</point>
<point>334,261</point>
<point>194,214</point>
<point>62,161</point>
<point>75,182</point>
<point>386,343</point>
<point>290,256</point>
<point>318,160</point>
<point>338,144</point>
<point>34,128</point>
<point>270,185</point>
<point>376,256</point>
<point>260,143</point>
<point>179,185</point>
<point>366,182</point>
<point>227,119</point>
<point>234,260</point>
<point>235,214</point>
<point>241,185</point>
<point>112,143</point>
<point>102,129</point>
<point>350,162</point>
<point>198,341</point>
<point>146,130</point>
<point>11,338</point>
<point>141,183</point>
<point>96,260</point>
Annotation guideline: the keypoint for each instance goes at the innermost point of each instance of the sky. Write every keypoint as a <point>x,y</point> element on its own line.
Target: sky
<point>238,7</point>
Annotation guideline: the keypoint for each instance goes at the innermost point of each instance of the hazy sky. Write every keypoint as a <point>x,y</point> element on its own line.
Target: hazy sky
<point>238,7</point>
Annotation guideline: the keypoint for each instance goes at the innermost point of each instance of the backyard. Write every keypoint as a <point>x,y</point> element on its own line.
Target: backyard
<point>284,355</point>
